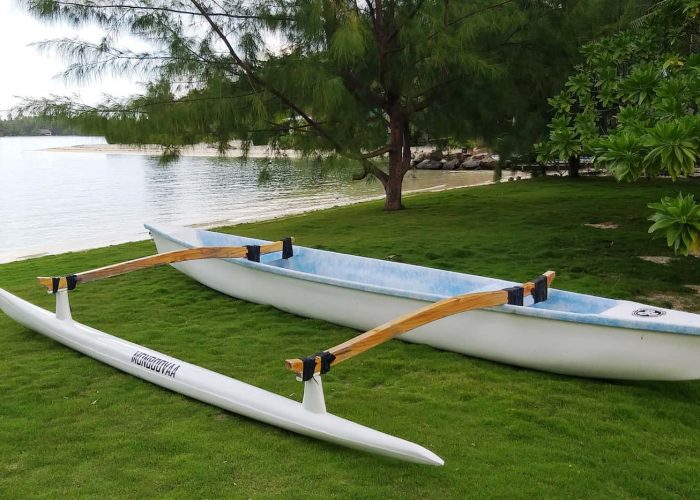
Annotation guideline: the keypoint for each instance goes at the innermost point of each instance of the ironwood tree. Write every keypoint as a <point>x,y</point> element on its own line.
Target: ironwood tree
<point>350,78</point>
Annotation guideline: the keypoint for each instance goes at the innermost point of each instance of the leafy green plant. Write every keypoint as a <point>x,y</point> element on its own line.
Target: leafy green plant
<point>564,143</point>
<point>544,153</point>
<point>673,146</point>
<point>639,86</point>
<point>579,83</point>
<point>561,102</point>
<point>632,118</point>
<point>678,220</point>
<point>620,154</point>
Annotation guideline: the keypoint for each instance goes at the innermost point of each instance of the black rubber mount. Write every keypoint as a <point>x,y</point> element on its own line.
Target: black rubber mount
<point>516,295</point>
<point>287,250</point>
<point>253,253</point>
<point>310,364</point>
<point>540,291</point>
<point>72,280</point>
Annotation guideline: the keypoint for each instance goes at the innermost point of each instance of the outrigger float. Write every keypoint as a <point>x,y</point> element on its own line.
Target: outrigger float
<point>309,417</point>
<point>517,327</point>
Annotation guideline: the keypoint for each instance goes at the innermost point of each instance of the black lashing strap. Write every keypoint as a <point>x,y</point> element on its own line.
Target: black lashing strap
<point>516,295</point>
<point>326,359</point>
<point>540,290</point>
<point>287,250</point>
<point>309,363</point>
<point>72,280</point>
<point>253,253</point>
<point>309,368</point>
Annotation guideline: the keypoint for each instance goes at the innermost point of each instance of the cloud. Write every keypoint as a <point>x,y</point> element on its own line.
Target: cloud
<point>27,72</point>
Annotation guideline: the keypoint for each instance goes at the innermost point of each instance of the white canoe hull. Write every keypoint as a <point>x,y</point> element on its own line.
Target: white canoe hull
<point>564,347</point>
<point>210,387</point>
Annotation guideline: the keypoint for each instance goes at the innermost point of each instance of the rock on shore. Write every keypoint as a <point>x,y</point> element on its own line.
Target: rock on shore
<point>436,160</point>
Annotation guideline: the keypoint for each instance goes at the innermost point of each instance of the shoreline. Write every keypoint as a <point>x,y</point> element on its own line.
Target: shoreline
<point>198,150</point>
<point>36,253</point>
<point>415,181</point>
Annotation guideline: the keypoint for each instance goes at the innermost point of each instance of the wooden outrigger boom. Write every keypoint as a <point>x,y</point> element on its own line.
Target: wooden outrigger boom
<point>69,282</point>
<point>324,360</point>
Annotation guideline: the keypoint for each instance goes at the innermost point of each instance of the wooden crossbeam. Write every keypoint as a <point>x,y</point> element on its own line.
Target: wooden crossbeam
<point>410,321</point>
<point>158,260</point>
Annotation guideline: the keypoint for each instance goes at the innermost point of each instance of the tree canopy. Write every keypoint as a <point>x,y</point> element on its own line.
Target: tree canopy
<point>27,125</point>
<point>348,78</point>
<point>633,105</point>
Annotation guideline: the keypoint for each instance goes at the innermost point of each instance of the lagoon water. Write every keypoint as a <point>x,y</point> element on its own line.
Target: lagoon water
<point>56,201</point>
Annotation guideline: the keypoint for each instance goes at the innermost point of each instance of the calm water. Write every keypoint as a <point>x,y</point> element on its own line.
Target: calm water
<point>54,201</point>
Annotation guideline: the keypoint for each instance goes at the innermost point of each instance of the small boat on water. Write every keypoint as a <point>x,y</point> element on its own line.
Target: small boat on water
<point>568,333</point>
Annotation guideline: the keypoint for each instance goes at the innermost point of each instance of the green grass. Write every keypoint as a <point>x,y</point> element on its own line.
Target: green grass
<point>71,426</point>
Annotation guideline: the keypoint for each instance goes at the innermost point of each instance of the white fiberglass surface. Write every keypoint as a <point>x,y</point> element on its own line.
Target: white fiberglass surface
<point>366,273</point>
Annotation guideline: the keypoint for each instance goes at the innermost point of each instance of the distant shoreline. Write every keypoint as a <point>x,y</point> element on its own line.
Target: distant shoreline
<point>203,150</point>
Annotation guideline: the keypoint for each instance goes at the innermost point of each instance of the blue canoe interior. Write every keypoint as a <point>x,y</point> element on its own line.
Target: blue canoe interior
<point>430,285</point>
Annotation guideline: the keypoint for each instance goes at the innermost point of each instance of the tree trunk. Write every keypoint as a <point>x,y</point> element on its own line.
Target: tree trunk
<point>393,189</point>
<point>399,160</point>
<point>498,169</point>
<point>574,165</point>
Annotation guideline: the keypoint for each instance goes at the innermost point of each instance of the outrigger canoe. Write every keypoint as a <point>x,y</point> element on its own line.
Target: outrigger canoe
<point>526,324</point>
<point>308,417</point>
<point>568,333</point>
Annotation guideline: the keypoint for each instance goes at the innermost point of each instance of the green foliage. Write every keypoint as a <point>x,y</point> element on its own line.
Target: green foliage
<point>677,220</point>
<point>621,154</point>
<point>578,84</point>
<point>30,125</point>
<point>634,102</point>
<point>640,85</point>
<point>564,143</point>
<point>350,42</point>
<point>672,146</point>
<point>561,103</point>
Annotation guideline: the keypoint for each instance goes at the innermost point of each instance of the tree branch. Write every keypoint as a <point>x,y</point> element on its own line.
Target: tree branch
<point>410,16</point>
<point>377,152</point>
<point>251,74</point>
<point>369,168</point>
<point>162,9</point>
<point>477,12</point>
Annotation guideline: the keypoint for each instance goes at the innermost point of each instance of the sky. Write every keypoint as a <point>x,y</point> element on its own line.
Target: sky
<point>26,72</point>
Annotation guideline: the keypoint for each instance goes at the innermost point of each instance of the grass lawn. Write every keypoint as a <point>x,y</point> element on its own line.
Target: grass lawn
<point>71,426</point>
